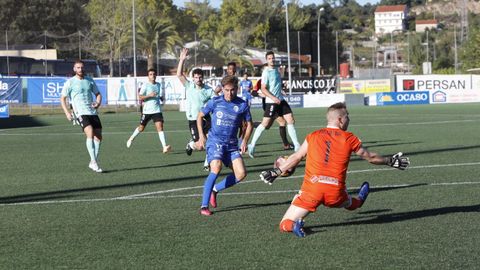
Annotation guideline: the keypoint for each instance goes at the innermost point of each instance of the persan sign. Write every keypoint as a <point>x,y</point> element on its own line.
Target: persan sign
<point>433,82</point>
<point>403,98</point>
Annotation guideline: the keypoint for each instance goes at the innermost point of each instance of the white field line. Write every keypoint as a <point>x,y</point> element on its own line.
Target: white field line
<point>300,176</point>
<point>152,195</point>
<point>6,133</point>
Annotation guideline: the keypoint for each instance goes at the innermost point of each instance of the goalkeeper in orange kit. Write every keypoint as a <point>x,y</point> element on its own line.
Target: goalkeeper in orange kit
<point>327,154</point>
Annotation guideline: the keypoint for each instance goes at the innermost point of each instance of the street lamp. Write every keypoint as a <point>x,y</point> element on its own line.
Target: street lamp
<point>318,39</point>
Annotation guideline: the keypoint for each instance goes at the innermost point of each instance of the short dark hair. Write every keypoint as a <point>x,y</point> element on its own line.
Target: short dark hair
<point>230,79</point>
<point>151,70</point>
<point>78,61</point>
<point>197,71</point>
<point>232,64</point>
<point>337,106</point>
<point>269,53</point>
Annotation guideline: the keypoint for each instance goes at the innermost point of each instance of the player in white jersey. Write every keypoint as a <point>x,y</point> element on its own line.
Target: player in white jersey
<point>151,94</point>
<point>197,93</point>
<point>80,90</point>
<point>275,104</point>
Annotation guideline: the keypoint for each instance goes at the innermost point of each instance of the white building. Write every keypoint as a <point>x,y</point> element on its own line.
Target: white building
<point>422,25</point>
<point>390,18</point>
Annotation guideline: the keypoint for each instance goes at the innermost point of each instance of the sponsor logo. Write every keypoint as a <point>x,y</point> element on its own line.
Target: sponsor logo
<point>408,85</point>
<point>4,112</point>
<point>52,91</point>
<point>385,98</point>
<point>412,97</point>
<point>439,96</point>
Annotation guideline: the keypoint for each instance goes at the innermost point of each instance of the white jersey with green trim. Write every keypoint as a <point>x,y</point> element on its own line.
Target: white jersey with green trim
<point>81,93</point>
<point>272,79</point>
<point>196,98</point>
<point>152,105</point>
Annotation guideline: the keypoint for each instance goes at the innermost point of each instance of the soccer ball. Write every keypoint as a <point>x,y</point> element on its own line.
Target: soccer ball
<point>279,161</point>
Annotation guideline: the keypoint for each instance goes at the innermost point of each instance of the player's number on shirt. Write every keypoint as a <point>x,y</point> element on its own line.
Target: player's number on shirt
<point>327,151</point>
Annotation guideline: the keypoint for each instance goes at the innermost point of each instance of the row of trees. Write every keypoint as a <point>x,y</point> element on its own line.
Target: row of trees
<point>104,28</point>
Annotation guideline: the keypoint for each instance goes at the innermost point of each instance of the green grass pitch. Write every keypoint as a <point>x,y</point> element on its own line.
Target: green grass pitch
<point>143,212</point>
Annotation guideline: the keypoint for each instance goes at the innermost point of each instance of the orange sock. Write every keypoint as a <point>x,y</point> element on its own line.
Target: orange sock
<point>286,225</point>
<point>356,203</point>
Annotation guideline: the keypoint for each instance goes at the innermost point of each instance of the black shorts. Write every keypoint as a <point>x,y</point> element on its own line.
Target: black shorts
<point>89,120</point>
<point>273,110</point>
<point>156,117</point>
<point>192,125</point>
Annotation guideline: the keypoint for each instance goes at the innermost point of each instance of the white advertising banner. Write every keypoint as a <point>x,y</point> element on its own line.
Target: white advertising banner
<point>433,82</point>
<point>321,100</point>
<point>121,91</point>
<point>454,96</point>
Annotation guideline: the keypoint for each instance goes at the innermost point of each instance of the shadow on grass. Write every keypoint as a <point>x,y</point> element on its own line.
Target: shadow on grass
<point>252,205</point>
<point>20,121</point>
<point>403,216</point>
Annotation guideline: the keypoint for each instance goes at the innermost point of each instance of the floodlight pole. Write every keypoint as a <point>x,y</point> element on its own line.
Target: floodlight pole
<point>288,52</point>
<point>318,40</point>
<point>134,45</point>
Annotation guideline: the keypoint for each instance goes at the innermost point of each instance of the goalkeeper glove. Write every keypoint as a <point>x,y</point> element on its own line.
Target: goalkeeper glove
<point>269,176</point>
<point>398,161</point>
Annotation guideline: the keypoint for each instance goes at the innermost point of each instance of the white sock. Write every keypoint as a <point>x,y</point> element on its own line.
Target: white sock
<point>161,135</point>
<point>96,144</point>
<point>205,164</point>
<point>192,145</point>
<point>257,134</point>
<point>135,133</point>
<point>293,135</point>
<point>90,149</point>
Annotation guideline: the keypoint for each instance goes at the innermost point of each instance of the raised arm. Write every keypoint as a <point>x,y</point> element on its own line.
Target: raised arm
<point>180,75</point>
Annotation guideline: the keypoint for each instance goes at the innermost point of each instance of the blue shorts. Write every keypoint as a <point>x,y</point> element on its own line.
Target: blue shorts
<point>224,152</point>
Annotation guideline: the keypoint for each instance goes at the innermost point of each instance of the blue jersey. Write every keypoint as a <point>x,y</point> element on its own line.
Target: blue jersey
<point>244,91</point>
<point>226,117</point>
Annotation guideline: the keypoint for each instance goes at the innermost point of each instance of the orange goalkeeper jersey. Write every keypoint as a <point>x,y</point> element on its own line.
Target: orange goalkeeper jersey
<point>328,155</point>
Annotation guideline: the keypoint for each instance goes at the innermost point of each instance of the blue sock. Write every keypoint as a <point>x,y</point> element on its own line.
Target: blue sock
<point>207,188</point>
<point>227,182</point>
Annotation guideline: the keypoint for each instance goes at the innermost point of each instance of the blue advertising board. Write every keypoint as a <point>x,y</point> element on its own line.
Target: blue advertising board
<point>4,111</point>
<point>10,90</point>
<point>295,101</point>
<point>403,98</point>
<point>49,90</point>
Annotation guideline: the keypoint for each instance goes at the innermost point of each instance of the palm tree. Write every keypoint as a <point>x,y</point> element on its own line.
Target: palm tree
<point>223,49</point>
<point>156,33</point>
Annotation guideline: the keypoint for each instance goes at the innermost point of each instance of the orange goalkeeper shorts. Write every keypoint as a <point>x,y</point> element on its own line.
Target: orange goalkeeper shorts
<point>328,195</point>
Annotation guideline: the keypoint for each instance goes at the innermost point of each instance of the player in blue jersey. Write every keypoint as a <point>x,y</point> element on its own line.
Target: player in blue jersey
<point>227,113</point>
<point>275,105</point>
<point>151,94</point>
<point>80,90</point>
<point>197,93</point>
<point>246,87</point>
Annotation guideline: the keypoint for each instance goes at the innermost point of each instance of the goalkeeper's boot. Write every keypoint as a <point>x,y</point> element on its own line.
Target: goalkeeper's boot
<point>298,228</point>
<point>363,192</point>
<point>213,199</point>
<point>188,149</point>
<point>251,151</point>
<point>205,211</point>
<point>129,143</point>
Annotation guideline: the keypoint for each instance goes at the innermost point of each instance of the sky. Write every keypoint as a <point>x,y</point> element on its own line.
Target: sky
<point>217,3</point>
